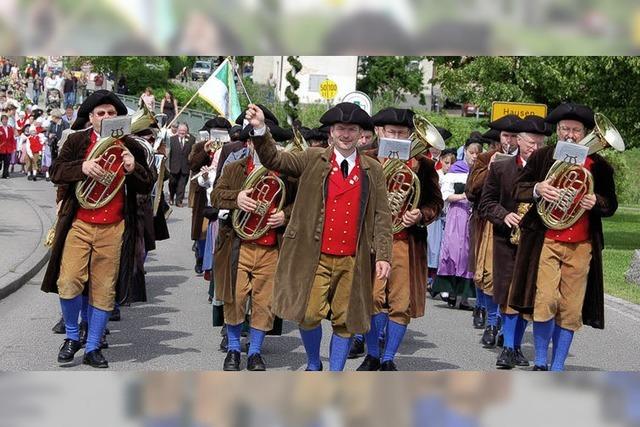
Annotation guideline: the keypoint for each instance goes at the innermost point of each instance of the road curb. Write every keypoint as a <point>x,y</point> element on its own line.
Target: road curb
<point>28,268</point>
<point>623,307</point>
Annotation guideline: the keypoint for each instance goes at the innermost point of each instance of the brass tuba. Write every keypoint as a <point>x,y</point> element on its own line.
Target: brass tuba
<point>403,185</point>
<point>94,194</point>
<point>268,192</point>
<point>575,181</point>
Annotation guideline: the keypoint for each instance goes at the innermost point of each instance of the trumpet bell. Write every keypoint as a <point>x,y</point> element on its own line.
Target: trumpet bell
<point>427,132</point>
<point>604,135</point>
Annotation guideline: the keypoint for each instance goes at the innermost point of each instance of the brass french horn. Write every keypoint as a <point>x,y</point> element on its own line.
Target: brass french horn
<point>269,193</point>
<point>575,181</point>
<point>94,194</point>
<point>403,185</point>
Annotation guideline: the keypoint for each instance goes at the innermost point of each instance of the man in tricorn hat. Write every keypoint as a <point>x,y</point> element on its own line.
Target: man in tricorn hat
<point>485,313</point>
<point>200,157</point>
<point>340,218</point>
<point>558,273</point>
<point>95,248</point>
<point>402,296</point>
<point>504,213</point>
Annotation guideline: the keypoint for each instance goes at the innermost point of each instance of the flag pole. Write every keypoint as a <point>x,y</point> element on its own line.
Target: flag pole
<point>241,82</point>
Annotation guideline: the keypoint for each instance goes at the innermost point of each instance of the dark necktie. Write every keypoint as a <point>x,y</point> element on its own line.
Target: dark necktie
<point>344,166</point>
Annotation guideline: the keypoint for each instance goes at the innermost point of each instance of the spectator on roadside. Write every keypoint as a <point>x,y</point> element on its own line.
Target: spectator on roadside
<point>169,106</point>
<point>69,89</point>
<point>121,87</point>
<point>98,80</point>
<point>148,99</point>
<point>68,117</point>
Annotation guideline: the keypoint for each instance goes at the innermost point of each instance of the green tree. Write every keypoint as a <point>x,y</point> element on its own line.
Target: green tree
<point>395,76</point>
<point>610,85</point>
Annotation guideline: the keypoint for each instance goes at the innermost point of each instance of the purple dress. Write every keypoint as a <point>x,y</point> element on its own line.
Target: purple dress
<point>453,274</point>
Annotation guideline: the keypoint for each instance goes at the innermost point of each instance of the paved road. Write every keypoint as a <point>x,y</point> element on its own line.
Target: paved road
<point>173,331</point>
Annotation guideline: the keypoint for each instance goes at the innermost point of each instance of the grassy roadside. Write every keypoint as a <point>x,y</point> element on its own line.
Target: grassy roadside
<point>621,238</point>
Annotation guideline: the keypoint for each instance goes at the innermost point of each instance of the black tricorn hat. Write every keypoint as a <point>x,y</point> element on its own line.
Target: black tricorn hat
<point>279,134</point>
<point>444,133</point>
<point>216,123</point>
<point>506,123</point>
<point>571,111</point>
<point>393,116</point>
<point>492,134</point>
<point>348,113</point>
<point>534,124</point>
<point>99,97</point>
<point>476,138</point>
<point>268,116</point>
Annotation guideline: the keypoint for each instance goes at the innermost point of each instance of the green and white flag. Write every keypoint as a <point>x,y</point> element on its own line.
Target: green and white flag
<point>220,91</point>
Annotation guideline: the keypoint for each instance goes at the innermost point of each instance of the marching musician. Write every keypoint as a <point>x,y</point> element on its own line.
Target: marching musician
<point>95,247</point>
<point>485,313</point>
<point>558,273</point>
<point>245,268</point>
<point>498,207</point>
<point>200,157</point>
<point>340,226</point>
<point>402,296</point>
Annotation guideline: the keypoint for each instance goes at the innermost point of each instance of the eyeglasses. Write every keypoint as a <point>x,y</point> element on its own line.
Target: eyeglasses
<point>570,130</point>
<point>102,113</point>
<point>398,134</point>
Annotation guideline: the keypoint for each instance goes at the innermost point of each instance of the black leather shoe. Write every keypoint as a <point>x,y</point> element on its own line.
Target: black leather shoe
<point>356,350</point>
<point>83,333</point>
<point>198,267</point>
<point>388,366</point>
<point>223,344</point>
<point>255,363</point>
<point>489,336</point>
<point>95,359</point>
<point>68,350</point>
<point>115,315</point>
<point>540,368</point>
<point>232,361</point>
<point>369,363</point>
<point>477,317</point>
<point>465,307</point>
<point>103,342</point>
<point>59,328</point>
<point>506,360</point>
<point>519,358</point>
<point>314,370</point>
<point>451,301</point>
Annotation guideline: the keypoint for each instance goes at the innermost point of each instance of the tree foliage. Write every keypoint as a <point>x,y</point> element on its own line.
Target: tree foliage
<point>610,85</point>
<point>395,75</point>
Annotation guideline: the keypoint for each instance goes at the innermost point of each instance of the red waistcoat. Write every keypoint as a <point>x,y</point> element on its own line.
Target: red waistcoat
<point>342,210</point>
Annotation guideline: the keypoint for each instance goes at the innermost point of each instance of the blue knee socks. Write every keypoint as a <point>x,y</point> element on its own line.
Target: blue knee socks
<point>70,311</point>
<point>492,311</point>
<point>509,326</point>
<point>395,333</point>
<point>256,337</point>
<point>85,306</point>
<point>311,340</point>
<point>562,339</point>
<point>338,352</point>
<point>480,298</point>
<point>521,326</point>
<point>97,323</point>
<point>542,332</point>
<point>378,322</point>
<point>233,337</point>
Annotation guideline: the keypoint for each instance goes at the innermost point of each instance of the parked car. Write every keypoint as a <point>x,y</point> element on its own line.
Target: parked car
<point>201,70</point>
<point>469,109</point>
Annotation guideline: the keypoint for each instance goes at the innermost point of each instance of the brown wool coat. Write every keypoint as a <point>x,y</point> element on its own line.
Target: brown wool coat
<point>300,251</point>
<point>496,202</point>
<point>431,205</point>
<point>523,289</point>
<point>473,190</point>
<point>197,159</point>
<point>67,172</point>
<point>227,246</point>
